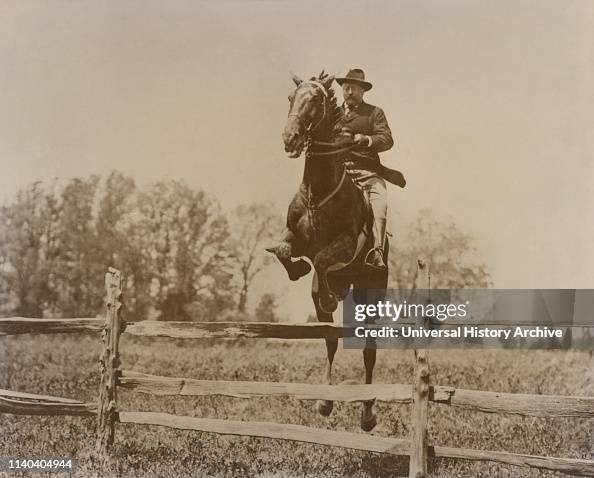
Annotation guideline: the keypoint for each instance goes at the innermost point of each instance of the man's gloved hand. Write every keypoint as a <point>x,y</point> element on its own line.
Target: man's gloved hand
<point>346,132</point>
<point>361,139</point>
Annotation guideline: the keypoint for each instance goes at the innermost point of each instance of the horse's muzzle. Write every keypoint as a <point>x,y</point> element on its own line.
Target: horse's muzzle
<point>293,143</point>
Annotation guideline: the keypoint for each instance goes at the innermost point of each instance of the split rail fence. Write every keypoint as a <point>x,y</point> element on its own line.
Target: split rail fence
<point>420,393</point>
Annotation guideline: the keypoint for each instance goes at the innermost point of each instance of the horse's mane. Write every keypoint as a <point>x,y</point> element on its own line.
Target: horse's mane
<point>334,111</point>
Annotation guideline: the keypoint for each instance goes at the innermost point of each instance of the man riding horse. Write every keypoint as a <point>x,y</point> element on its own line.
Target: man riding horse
<point>328,218</point>
<point>368,127</point>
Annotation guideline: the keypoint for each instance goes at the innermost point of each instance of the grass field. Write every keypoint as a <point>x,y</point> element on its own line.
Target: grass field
<point>66,366</point>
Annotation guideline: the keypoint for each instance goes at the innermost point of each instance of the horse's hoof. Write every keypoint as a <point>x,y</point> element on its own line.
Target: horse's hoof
<point>328,302</point>
<point>325,407</point>
<point>298,269</point>
<point>274,250</point>
<point>281,250</point>
<point>369,424</point>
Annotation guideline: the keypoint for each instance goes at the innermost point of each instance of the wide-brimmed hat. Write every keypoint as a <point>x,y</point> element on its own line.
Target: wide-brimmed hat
<point>357,76</point>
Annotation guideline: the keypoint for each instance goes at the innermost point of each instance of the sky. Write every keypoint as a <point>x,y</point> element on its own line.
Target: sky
<point>491,105</point>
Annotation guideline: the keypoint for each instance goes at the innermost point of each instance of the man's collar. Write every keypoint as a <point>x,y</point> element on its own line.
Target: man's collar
<point>351,108</point>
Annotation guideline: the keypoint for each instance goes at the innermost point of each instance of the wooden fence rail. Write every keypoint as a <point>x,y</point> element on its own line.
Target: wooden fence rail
<point>180,330</point>
<point>477,400</point>
<point>18,403</point>
<point>22,325</point>
<point>354,441</point>
<point>383,392</point>
<point>572,466</point>
<point>281,431</point>
<point>419,447</point>
<point>233,330</point>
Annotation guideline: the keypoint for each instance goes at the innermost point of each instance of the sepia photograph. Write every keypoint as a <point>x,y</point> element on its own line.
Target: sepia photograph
<point>270,238</point>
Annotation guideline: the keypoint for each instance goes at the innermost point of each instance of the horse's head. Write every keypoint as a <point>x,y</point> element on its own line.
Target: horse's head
<point>308,111</point>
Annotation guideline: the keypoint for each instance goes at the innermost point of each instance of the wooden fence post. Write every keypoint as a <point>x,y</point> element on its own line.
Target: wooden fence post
<point>109,362</point>
<point>418,442</point>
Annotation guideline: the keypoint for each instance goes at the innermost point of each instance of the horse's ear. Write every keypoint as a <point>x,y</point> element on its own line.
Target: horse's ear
<point>327,82</point>
<point>296,79</point>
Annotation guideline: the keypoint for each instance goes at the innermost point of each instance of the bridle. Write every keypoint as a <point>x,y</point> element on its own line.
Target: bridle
<point>312,128</point>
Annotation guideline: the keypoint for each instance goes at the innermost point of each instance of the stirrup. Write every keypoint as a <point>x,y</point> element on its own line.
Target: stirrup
<point>380,251</point>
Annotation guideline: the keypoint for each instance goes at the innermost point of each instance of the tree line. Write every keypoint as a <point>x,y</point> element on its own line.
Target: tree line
<point>183,257</point>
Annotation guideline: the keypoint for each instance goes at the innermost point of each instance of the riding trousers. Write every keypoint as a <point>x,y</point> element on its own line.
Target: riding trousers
<point>374,188</point>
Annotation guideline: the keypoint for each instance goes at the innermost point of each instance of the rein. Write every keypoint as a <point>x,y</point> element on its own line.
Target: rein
<point>334,191</point>
<point>342,178</point>
<point>331,152</point>
<point>313,209</point>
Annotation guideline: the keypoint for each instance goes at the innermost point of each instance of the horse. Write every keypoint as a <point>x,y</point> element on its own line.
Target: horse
<point>328,220</point>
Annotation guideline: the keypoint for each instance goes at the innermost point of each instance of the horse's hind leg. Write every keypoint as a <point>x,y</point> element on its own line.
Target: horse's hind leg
<point>284,251</point>
<point>368,418</point>
<point>339,250</point>
<point>324,406</point>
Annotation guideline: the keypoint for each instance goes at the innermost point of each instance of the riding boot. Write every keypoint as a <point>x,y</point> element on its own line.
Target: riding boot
<point>375,256</point>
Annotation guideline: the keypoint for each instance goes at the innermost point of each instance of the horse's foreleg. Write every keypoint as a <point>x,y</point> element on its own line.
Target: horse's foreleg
<point>324,406</point>
<point>284,251</point>
<point>368,418</point>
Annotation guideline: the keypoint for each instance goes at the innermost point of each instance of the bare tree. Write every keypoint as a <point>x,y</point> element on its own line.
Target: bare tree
<point>441,246</point>
<point>254,227</point>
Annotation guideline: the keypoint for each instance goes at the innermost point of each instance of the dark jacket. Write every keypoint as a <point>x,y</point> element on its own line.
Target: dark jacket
<point>370,121</point>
